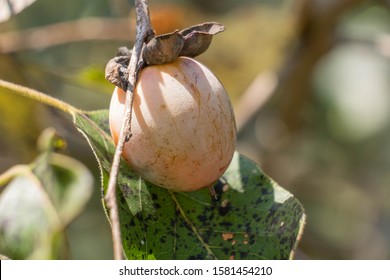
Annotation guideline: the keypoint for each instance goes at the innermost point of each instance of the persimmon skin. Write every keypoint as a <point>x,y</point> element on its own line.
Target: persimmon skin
<point>183,126</point>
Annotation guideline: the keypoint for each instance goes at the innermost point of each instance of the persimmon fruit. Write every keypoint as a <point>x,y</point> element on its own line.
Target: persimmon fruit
<point>183,126</point>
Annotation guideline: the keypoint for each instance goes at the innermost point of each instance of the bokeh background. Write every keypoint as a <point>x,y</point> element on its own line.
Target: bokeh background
<point>309,81</point>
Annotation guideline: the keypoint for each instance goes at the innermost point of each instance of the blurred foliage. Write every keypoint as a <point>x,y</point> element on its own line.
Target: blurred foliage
<point>324,134</point>
<point>12,7</point>
<point>38,201</point>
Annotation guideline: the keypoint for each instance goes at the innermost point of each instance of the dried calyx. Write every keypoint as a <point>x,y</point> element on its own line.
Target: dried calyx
<point>197,38</point>
<point>163,49</point>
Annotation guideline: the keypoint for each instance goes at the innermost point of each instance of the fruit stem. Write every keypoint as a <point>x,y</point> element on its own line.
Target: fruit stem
<point>38,96</point>
<point>144,32</point>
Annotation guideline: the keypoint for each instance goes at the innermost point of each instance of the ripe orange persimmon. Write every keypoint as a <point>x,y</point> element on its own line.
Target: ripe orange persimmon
<point>183,126</point>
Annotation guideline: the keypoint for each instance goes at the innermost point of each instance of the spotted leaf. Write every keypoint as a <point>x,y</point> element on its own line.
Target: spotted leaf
<point>248,217</point>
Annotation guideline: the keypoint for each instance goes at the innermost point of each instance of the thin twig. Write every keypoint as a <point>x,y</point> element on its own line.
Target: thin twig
<point>144,32</point>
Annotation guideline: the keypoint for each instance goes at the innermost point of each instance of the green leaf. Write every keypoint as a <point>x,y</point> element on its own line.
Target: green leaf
<point>94,126</point>
<point>250,218</point>
<point>27,218</point>
<point>38,201</point>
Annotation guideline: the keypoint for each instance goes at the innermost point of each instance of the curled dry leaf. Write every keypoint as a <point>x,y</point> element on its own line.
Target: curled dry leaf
<point>163,49</point>
<point>198,38</point>
<point>116,71</point>
<point>124,51</point>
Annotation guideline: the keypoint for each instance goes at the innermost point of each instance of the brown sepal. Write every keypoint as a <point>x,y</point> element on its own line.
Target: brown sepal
<point>116,71</point>
<point>197,38</point>
<point>163,49</point>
